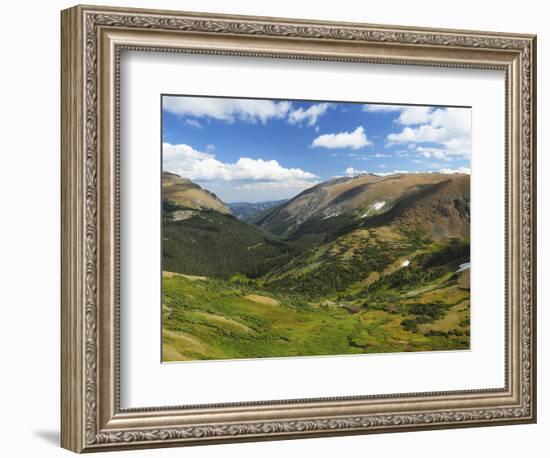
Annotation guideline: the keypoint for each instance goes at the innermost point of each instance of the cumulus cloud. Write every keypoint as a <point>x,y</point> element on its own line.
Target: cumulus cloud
<point>203,166</point>
<point>408,114</point>
<point>414,115</point>
<point>463,170</point>
<point>436,153</point>
<point>351,172</point>
<point>395,172</point>
<point>229,110</point>
<point>381,108</point>
<point>291,184</point>
<point>247,110</point>
<point>448,128</point>
<point>354,140</point>
<point>310,115</point>
<point>193,123</point>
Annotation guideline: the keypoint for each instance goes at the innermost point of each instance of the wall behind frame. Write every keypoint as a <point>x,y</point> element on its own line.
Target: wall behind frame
<point>29,233</point>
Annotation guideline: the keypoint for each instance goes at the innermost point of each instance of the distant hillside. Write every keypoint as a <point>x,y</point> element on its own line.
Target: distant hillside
<point>440,208</point>
<point>248,210</point>
<point>340,233</point>
<point>353,232</point>
<point>432,201</point>
<point>184,193</point>
<point>207,242</point>
<point>366,264</point>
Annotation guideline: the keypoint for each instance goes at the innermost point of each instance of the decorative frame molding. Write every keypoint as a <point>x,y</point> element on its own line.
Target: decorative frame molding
<point>92,39</point>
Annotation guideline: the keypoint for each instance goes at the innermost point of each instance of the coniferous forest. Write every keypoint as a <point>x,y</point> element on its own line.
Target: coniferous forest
<point>362,271</point>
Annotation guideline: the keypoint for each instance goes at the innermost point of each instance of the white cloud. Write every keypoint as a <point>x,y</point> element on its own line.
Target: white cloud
<point>408,114</point>
<point>448,128</point>
<point>351,172</point>
<point>193,123</point>
<point>354,140</point>
<point>381,108</point>
<point>291,184</point>
<point>464,170</point>
<point>203,166</point>
<point>181,154</point>
<point>310,115</point>
<point>414,115</point>
<point>385,174</point>
<point>360,156</point>
<point>229,110</point>
<point>210,147</point>
<point>422,134</point>
<point>436,153</point>
<point>247,110</point>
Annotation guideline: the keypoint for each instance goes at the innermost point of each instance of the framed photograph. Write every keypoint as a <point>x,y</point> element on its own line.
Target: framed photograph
<point>321,257</point>
<point>278,228</point>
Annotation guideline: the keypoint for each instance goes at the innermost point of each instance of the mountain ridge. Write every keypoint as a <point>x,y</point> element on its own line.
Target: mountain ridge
<point>352,265</point>
<point>185,193</point>
<point>333,221</point>
<point>364,196</point>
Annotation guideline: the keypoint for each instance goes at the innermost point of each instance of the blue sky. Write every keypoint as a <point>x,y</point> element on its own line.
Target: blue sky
<point>257,149</point>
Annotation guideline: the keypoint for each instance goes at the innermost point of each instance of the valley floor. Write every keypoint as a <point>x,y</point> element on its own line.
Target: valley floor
<point>205,319</point>
<point>353,265</point>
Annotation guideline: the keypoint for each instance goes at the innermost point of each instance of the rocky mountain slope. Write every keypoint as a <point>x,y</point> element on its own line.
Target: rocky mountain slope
<point>184,193</point>
<point>330,237</point>
<point>435,202</point>
<point>367,264</point>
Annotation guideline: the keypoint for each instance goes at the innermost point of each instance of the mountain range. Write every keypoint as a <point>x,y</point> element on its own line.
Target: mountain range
<point>435,202</point>
<point>183,193</point>
<point>248,210</point>
<point>394,249</point>
<point>338,212</point>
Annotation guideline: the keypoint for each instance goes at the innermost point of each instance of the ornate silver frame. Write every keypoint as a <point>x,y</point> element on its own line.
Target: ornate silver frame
<point>92,39</point>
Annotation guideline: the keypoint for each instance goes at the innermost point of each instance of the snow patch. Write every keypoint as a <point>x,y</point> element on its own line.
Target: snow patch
<point>463,266</point>
<point>375,206</point>
<point>378,205</point>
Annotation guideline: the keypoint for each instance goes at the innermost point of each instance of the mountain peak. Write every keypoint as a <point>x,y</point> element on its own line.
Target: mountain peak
<point>183,192</point>
<point>368,195</point>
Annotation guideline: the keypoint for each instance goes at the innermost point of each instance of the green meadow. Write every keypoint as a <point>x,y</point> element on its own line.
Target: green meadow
<point>320,274</point>
<point>206,318</point>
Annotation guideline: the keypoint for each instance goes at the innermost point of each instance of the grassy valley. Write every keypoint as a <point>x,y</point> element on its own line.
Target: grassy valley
<point>204,318</point>
<point>353,265</point>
